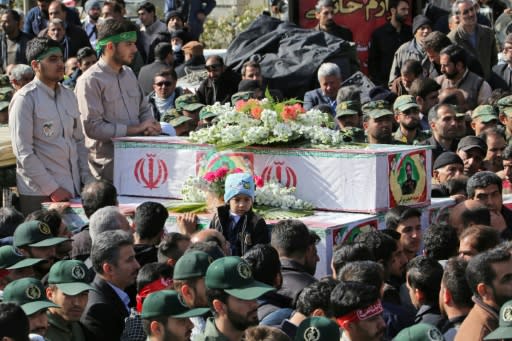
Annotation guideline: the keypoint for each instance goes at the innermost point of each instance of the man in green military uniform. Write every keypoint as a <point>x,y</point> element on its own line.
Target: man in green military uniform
<point>166,317</point>
<point>28,293</point>
<point>67,287</point>
<point>14,266</point>
<point>348,114</point>
<point>407,115</point>
<point>189,105</point>
<point>232,294</point>
<point>505,116</point>
<point>378,123</point>
<point>483,117</point>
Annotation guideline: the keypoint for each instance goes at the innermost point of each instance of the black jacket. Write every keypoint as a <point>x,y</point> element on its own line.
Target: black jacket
<point>251,230</point>
<point>147,74</point>
<point>104,315</point>
<point>21,46</point>
<point>295,278</point>
<point>501,77</point>
<point>220,90</point>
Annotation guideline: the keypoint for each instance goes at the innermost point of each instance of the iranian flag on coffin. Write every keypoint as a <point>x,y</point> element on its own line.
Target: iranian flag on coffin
<point>354,179</point>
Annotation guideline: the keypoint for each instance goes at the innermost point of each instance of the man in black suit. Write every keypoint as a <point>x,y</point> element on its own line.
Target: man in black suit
<point>501,75</point>
<point>113,260</point>
<point>329,77</point>
<point>164,59</point>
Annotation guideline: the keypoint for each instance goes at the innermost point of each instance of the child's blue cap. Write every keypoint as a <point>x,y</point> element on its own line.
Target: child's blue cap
<point>238,183</point>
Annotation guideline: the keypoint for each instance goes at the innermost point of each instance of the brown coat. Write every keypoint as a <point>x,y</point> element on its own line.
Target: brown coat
<point>480,321</point>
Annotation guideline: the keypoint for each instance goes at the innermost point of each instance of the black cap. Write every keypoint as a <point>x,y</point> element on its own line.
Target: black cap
<point>470,142</point>
<point>172,14</point>
<point>419,21</point>
<point>248,85</point>
<point>447,158</point>
<point>382,93</point>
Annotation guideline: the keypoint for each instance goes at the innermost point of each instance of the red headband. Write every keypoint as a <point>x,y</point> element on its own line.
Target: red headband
<point>360,314</point>
<point>156,285</point>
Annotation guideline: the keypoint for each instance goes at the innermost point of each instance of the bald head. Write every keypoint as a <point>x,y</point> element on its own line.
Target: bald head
<point>212,235</point>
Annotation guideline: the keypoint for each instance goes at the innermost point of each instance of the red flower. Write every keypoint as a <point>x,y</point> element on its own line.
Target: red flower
<point>237,170</point>
<point>258,181</point>
<point>289,113</point>
<point>239,105</point>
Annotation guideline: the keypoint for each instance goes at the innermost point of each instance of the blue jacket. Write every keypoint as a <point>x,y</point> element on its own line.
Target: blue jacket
<point>315,97</point>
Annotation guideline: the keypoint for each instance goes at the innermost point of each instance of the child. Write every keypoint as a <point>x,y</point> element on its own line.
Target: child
<point>236,220</point>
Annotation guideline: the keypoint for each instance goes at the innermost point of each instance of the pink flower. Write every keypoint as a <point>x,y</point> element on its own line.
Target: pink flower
<point>210,177</point>
<point>258,181</point>
<point>221,172</point>
<point>289,113</point>
<point>239,105</point>
<point>237,170</point>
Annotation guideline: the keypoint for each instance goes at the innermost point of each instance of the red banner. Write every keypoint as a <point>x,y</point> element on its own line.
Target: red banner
<point>361,16</point>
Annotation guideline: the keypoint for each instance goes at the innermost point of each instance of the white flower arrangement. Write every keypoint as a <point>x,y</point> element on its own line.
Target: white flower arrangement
<point>274,194</point>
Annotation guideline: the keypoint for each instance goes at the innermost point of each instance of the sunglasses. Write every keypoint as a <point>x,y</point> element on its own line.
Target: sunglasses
<point>166,83</point>
<point>213,67</point>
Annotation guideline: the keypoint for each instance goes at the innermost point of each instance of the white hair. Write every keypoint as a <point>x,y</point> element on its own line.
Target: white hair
<point>20,70</point>
<point>455,5</point>
<point>106,219</point>
<point>328,69</point>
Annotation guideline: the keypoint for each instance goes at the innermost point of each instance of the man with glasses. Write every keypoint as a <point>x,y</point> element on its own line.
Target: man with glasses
<point>165,92</point>
<point>501,77</point>
<point>221,83</point>
<point>474,38</point>
<point>407,115</point>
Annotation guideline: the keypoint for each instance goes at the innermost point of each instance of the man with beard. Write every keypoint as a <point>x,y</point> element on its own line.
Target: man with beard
<point>296,246</point>
<point>358,311</point>
<point>165,317</point>
<point>407,115</point>
<point>113,261</point>
<point>188,279</point>
<point>93,10</point>
<point>67,287</point>
<point>46,133</point>
<point>446,167</point>
<point>386,39</point>
<point>489,276</point>
<point>406,221</point>
<point>378,122</point>
<point>483,117</point>
<point>34,239</point>
<point>486,187</point>
<point>109,98</point>
<point>232,295</point>
<point>505,116</point>
<point>324,13</point>
<point>442,120</point>
<point>496,144</point>
<point>28,293</point>
<point>13,41</point>
<point>472,151</point>
<point>453,61</point>
<point>14,266</point>
<point>221,84</point>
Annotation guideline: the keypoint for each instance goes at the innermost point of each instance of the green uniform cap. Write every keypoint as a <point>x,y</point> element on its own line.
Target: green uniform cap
<point>376,109</point>
<point>234,275</point>
<point>346,108</point>
<point>188,102</point>
<point>504,330</point>
<point>11,260</point>
<point>505,105</point>
<point>177,121</point>
<point>405,102</point>
<point>168,303</point>
<point>485,113</point>
<point>192,265</point>
<point>317,328</point>
<point>420,332</point>
<point>35,234</point>
<point>29,293</point>
<point>206,112</point>
<point>242,95</point>
<point>5,82</point>
<point>169,115</point>
<point>70,276</point>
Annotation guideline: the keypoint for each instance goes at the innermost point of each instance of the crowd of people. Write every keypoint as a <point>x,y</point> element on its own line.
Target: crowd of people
<point>70,86</point>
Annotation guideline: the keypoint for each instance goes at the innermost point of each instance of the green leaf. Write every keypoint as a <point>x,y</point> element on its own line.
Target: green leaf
<point>275,213</point>
<point>184,207</point>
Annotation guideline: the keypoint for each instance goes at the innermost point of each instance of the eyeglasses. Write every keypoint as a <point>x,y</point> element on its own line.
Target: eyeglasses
<point>213,67</point>
<point>166,83</point>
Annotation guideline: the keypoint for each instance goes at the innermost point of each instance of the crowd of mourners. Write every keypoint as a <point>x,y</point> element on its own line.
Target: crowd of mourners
<point>69,86</point>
